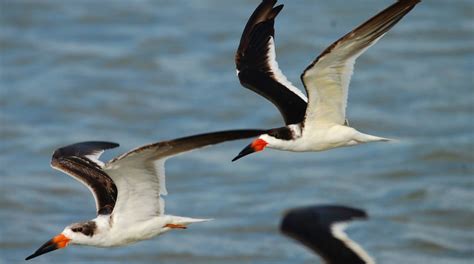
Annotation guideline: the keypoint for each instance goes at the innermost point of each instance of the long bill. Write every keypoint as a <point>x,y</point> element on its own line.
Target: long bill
<point>255,146</point>
<point>57,242</point>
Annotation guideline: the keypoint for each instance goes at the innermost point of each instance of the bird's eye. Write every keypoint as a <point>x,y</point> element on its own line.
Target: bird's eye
<point>77,229</point>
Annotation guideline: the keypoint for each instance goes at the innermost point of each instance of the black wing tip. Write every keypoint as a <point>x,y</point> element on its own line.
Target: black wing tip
<point>276,10</point>
<point>264,12</point>
<point>321,214</point>
<point>267,3</point>
<point>92,145</point>
<point>84,148</point>
<point>96,144</point>
<point>410,1</point>
<point>352,212</point>
<point>403,6</point>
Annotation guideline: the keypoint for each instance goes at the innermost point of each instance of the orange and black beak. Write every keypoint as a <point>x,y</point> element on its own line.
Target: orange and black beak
<point>255,146</point>
<point>57,242</point>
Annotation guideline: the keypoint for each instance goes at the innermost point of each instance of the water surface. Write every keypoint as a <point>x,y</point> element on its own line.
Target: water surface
<point>136,72</point>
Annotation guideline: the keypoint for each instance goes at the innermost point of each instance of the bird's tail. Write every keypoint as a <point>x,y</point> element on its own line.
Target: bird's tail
<point>364,138</point>
<point>180,220</point>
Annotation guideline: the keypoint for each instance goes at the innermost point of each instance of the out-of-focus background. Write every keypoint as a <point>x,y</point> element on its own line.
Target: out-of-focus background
<point>137,72</point>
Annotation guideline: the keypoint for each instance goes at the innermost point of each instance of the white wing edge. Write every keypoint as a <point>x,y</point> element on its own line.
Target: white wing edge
<point>94,157</point>
<point>337,230</point>
<point>280,77</point>
<point>160,171</point>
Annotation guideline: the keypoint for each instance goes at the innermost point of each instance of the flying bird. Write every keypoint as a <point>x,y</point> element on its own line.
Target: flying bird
<point>321,228</point>
<point>316,123</point>
<point>128,190</point>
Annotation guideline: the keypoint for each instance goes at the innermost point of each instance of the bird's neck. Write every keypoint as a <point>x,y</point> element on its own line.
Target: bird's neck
<point>103,222</point>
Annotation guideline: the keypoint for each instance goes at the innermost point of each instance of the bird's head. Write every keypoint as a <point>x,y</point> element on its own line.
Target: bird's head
<point>79,233</point>
<point>257,145</point>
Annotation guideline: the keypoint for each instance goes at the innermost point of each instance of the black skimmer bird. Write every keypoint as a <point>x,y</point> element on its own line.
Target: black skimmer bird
<point>316,123</point>
<point>321,228</point>
<point>127,190</point>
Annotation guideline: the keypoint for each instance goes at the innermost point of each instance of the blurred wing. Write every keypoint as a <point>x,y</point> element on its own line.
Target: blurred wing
<point>321,229</point>
<point>327,79</point>
<point>81,161</point>
<point>258,69</point>
<point>140,173</point>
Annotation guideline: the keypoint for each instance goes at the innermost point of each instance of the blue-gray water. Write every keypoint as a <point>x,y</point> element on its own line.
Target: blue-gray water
<point>136,72</point>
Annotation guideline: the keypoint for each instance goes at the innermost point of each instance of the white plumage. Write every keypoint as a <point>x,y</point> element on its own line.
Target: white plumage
<point>127,190</point>
<point>322,116</point>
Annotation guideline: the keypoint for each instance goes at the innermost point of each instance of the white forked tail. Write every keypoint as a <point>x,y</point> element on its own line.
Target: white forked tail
<point>180,220</point>
<point>364,138</point>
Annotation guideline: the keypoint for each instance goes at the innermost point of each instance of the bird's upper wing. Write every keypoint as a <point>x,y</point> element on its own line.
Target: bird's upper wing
<point>81,161</point>
<point>140,173</point>
<point>321,229</point>
<point>327,78</point>
<point>257,67</point>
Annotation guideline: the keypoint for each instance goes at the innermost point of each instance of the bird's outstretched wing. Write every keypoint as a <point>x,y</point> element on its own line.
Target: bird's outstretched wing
<point>327,78</point>
<point>140,173</point>
<point>81,161</point>
<point>321,228</point>
<point>258,69</point>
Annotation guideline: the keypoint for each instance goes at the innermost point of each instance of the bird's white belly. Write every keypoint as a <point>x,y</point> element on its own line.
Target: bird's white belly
<point>121,236</point>
<point>323,138</point>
